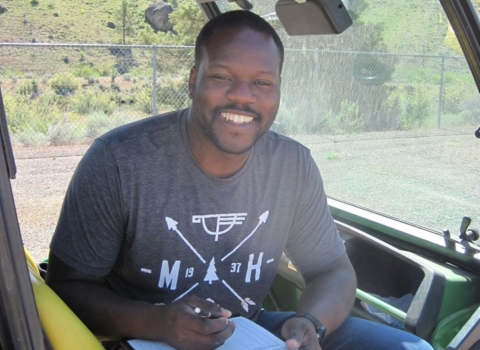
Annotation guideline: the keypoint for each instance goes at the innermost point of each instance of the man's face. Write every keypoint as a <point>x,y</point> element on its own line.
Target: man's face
<point>235,89</point>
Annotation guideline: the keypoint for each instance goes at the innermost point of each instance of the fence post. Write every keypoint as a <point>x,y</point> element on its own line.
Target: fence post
<point>154,80</point>
<point>440,93</point>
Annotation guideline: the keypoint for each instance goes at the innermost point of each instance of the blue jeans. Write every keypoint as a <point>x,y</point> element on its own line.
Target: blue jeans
<point>354,334</point>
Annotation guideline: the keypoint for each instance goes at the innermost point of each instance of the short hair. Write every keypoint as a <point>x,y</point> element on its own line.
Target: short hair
<point>235,20</point>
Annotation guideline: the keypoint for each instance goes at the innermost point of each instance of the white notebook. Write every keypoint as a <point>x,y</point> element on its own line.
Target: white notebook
<point>247,336</point>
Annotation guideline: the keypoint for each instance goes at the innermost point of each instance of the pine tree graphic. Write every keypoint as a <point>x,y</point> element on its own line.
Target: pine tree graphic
<point>211,272</point>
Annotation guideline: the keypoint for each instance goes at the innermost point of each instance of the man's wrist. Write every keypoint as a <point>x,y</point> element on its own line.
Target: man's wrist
<point>319,327</point>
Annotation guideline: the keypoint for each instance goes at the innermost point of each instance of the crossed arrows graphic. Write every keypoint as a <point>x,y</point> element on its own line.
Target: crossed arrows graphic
<point>172,225</point>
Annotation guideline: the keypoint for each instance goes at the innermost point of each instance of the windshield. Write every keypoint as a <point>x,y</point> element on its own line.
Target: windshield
<point>388,109</point>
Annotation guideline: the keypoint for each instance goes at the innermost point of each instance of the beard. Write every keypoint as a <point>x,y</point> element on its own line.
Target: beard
<point>235,144</point>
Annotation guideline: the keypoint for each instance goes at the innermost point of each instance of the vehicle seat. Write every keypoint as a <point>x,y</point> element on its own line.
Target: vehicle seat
<point>62,327</point>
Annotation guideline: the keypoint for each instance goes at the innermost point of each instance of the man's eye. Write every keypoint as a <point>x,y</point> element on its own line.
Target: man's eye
<point>263,83</point>
<point>220,77</point>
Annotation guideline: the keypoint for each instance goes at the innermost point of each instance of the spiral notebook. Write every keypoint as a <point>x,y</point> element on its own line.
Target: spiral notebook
<point>247,336</point>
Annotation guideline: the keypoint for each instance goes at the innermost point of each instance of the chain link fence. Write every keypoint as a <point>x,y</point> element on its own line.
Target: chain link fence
<point>58,94</point>
<point>347,92</point>
<point>64,94</point>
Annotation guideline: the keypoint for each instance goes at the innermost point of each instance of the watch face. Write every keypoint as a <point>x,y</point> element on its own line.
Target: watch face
<point>321,332</point>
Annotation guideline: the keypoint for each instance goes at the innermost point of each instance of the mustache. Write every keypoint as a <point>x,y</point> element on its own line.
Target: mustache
<point>234,107</point>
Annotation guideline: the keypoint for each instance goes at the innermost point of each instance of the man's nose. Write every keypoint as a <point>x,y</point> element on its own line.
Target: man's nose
<point>241,92</point>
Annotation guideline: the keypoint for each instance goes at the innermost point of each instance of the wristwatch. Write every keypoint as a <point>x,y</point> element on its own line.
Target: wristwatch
<point>319,327</point>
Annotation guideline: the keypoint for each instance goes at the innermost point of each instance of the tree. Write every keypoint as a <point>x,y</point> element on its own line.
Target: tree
<point>187,19</point>
<point>211,272</point>
<point>125,17</point>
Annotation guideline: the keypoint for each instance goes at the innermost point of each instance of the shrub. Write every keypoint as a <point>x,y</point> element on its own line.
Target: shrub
<point>99,123</point>
<point>106,70</point>
<point>28,89</point>
<point>452,96</point>
<point>14,74</point>
<point>287,121</point>
<point>346,120</point>
<point>124,64</point>
<point>143,100</point>
<point>148,36</point>
<point>469,110</point>
<point>91,81</point>
<point>115,87</point>
<point>418,108</point>
<point>86,71</point>
<point>31,139</point>
<point>64,84</point>
<point>173,95</point>
<point>395,108</point>
<point>64,133</point>
<point>29,119</point>
<point>49,97</point>
<point>90,100</point>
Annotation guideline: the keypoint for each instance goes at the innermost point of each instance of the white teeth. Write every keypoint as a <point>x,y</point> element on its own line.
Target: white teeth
<point>237,118</point>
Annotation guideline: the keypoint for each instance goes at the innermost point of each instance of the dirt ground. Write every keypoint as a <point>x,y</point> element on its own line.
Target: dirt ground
<point>431,180</point>
<point>42,178</point>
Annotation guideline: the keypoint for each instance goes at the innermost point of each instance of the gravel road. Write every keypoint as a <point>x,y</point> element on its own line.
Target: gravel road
<point>42,178</point>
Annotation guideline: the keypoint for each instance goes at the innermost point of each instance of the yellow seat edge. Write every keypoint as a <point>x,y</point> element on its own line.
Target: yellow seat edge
<point>62,327</point>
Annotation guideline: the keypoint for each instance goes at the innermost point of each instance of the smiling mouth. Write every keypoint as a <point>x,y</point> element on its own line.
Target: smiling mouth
<point>237,118</point>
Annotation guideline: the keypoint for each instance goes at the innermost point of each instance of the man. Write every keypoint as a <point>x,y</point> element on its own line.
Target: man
<point>173,224</point>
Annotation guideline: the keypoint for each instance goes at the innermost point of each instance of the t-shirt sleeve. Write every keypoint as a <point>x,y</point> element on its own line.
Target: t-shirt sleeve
<point>91,225</point>
<point>314,240</point>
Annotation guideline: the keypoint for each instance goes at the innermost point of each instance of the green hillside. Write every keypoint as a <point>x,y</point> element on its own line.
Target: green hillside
<point>66,21</point>
<point>86,21</point>
<point>419,23</point>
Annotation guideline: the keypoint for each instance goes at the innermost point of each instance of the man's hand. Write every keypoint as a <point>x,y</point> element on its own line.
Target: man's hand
<point>193,323</point>
<point>329,292</point>
<point>112,317</point>
<point>299,333</point>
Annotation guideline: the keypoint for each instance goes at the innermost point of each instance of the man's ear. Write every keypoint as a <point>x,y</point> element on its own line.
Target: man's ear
<point>192,81</point>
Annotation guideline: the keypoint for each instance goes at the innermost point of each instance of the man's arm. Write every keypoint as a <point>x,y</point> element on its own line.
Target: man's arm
<point>112,317</point>
<point>329,296</point>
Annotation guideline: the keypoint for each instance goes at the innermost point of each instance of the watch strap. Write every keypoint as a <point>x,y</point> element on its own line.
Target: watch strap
<point>319,327</point>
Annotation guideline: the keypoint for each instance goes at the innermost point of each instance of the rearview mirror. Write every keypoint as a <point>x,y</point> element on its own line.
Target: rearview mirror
<point>313,17</point>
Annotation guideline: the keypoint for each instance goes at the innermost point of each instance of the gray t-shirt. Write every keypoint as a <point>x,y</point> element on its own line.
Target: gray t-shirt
<point>140,210</point>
